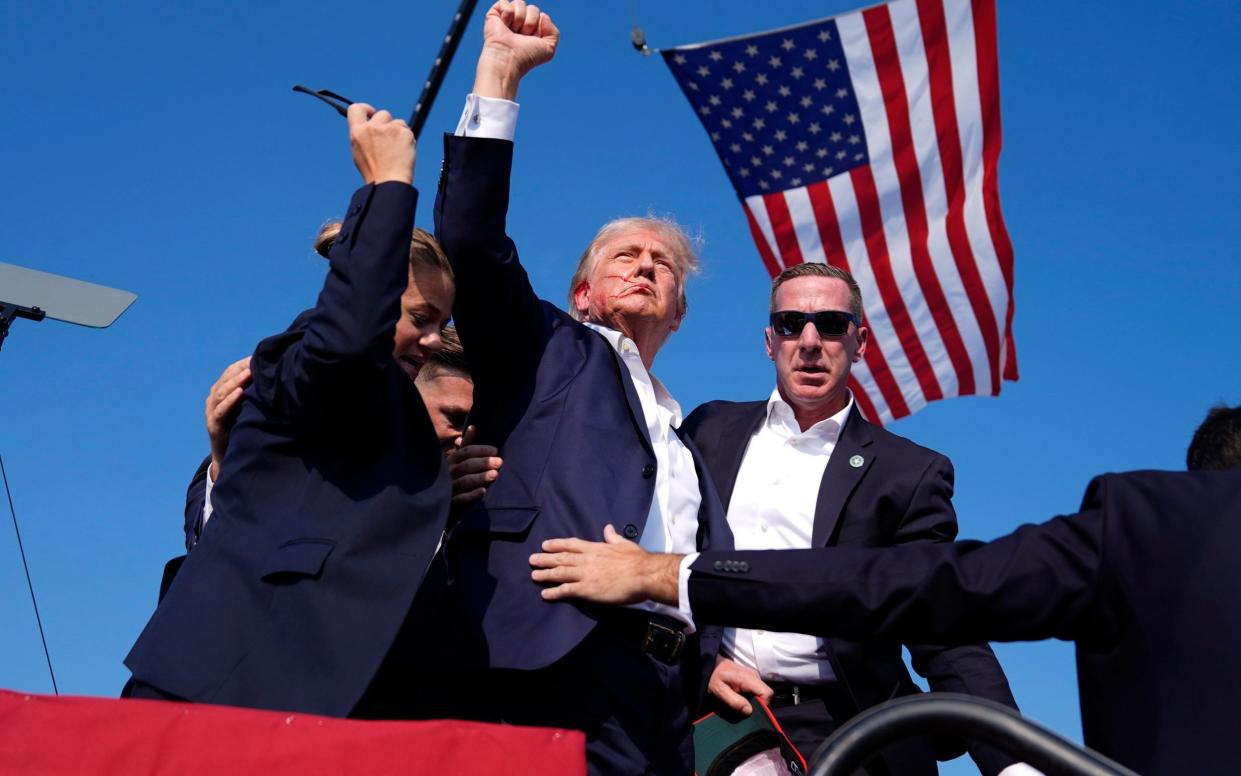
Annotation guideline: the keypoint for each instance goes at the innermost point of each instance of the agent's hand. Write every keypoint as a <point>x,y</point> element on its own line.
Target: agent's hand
<point>383,147</point>
<point>614,571</point>
<point>223,403</point>
<point>729,680</point>
<point>517,38</point>
<point>472,467</point>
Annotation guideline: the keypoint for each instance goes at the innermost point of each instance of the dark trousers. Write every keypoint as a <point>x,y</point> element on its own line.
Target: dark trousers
<point>631,707</point>
<point>809,724</point>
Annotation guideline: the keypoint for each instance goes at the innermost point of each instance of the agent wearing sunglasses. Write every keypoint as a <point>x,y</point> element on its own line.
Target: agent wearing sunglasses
<point>804,469</point>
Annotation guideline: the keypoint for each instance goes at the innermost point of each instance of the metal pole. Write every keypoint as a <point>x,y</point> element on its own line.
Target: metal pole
<point>440,66</point>
<point>954,714</point>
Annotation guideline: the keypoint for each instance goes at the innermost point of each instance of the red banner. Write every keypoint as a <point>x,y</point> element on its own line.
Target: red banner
<point>72,735</point>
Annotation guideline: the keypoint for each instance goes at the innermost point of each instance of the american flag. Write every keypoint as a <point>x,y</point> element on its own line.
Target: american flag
<point>870,141</point>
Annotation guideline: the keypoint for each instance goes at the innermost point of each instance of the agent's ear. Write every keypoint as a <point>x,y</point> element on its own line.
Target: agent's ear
<point>769,339</point>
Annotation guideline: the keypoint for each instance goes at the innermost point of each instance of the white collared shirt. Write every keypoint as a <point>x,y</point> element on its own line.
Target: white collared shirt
<point>672,521</point>
<point>772,508</point>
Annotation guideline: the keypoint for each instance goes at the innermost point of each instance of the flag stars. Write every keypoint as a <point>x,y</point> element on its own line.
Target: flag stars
<point>761,79</point>
<point>756,161</point>
<point>704,71</point>
<point>841,155</point>
<point>751,50</point>
<point>794,118</point>
<point>784,91</point>
<point>849,119</point>
<point>822,152</point>
<point>776,175</point>
<point>738,67</point>
<point>780,136</point>
<point>825,35</point>
<point>744,172</point>
<point>797,72</point>
<point>854,139</point>
<point>808,167</point>
<point>828,110</point>
<point>833,65</point>
<point>759,123</point>
<point>771,106</point>
<point>806,102</point>
<point>716,56</point>
<point>747,137</point>
<point>768,150</point>
<point>715,137</point>
<point>788,161</point>
<point>726,124</point>
<point>827,171</point>
<point>735,148</point>
<point>748,95</point>
<point>795,182</point>
<point>692,85</point>
<point>810,55</point>
<point>814,128</point>
<point>763,185</point>
<point>738,113</point>
<point>842,93</point>
<point>705,110</point>
<point>727,83</point>
<point>859,157</point>
<point>679,59</point>
<point>787,44</point>
<point>835,137</point>
<point>801,146</point>
<point>714,100</point>
<point>775,62</point>
<point>820,84</point>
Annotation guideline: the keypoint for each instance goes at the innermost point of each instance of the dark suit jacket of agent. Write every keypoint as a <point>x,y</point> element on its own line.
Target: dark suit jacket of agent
<point>902,493</point>
<point>558,402</point>
<point>1143,578</point>
<point>331,500</point>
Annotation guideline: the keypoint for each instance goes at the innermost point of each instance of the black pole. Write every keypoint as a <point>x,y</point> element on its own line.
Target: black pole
<point>9,312</point>
<point>440,66</point>
<point>954,714</point>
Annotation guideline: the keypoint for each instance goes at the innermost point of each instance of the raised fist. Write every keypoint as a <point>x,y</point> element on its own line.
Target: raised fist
<point>383,147</point>
<point>517,38</point>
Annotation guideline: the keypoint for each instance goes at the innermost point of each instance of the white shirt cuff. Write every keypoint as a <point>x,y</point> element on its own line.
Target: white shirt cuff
<point>683,588</point>
<point>490,117</point>
<point>206,501</point>
<point>1020,769</point>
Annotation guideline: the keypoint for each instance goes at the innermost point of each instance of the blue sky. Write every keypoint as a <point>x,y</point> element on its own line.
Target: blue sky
<point>156,147</point>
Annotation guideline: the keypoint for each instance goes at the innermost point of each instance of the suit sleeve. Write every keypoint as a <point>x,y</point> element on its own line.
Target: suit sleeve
<point>971,669</point>
<point>1039,582</point>
<point>497,313</point>
<point>195,500</point>
<point>348,334</point>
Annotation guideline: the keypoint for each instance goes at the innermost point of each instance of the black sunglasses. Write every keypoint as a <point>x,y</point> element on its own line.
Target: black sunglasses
<point>829,323</point>
<point>339,103</point>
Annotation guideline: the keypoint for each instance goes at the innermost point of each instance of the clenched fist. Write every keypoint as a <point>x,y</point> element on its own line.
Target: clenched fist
<point>517,38</point>
<point>383,147</point>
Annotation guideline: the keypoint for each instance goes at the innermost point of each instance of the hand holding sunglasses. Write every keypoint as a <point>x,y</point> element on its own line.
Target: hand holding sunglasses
<point>829,323</point>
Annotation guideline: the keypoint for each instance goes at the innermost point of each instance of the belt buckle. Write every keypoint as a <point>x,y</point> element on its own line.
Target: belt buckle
<point>663,643</point>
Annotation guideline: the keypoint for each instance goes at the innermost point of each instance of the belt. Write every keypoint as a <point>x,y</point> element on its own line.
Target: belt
<point>789,694</point>
<point>659,636</point>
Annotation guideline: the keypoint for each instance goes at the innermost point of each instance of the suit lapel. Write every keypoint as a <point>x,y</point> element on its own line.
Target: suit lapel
<point>631,396</point>
<point>731,447</point>
<point>841,476</point>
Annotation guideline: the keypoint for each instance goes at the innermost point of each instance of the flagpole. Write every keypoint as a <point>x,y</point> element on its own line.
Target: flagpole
<point>440,66</point>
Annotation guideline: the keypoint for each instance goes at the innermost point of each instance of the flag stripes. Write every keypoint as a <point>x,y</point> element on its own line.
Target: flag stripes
<point>916,218</point>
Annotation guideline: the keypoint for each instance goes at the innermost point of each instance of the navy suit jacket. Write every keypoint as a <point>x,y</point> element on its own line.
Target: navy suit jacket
<point>331,500</point>
<point>1143,579</point>
<point>901,493</point>
<point>554,396</point>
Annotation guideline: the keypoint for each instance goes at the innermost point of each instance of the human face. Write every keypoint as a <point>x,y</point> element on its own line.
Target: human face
<point>449,395</point>
<point>425,308</point>
<point>635,282</point>
<point>812,371</point>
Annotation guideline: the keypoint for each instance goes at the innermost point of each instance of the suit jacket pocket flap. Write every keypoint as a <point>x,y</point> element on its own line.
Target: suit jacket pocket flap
<point>509,521</point>
<point>303,557</point>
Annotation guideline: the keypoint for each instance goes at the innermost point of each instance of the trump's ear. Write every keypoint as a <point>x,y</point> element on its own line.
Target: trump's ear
<point>581,297</point>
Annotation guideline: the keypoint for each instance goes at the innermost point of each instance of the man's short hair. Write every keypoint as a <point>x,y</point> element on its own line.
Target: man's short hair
<point>817,270</point>
<point>450,358</point>
<point>424,250</point>
<point>1217,442</point>
<point>670,232</point>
